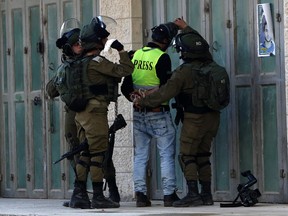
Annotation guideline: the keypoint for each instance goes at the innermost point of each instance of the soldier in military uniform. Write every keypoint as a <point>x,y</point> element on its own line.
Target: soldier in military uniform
<point>71,51</point>
<point>101,78</point>
<point>200,124</point>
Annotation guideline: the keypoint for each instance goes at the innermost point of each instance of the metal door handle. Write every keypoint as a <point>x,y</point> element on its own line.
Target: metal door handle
<point>37,100</point>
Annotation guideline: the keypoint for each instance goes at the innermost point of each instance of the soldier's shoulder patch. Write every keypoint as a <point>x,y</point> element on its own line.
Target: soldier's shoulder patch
<point>98,59</point>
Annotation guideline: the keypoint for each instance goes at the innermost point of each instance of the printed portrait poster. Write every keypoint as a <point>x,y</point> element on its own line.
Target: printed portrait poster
<point>266,44</point>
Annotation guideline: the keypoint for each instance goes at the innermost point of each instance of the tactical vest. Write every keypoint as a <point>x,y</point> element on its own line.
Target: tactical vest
<point>72,83</point>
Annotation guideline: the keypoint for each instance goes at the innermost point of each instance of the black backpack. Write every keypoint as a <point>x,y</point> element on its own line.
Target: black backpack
<point>211,86</point>
<point>69,84</point>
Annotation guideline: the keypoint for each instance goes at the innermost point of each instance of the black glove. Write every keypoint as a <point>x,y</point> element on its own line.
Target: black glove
<point>131,54</point>
<point>117,45</point>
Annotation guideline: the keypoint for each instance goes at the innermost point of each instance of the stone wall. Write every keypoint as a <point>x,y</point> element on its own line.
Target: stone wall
<point>128,15</point>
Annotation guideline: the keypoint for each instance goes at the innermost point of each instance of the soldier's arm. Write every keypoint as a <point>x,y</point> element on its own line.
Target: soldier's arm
<point>165,92</point>
<point>51,89</point>
<point>124,68</point>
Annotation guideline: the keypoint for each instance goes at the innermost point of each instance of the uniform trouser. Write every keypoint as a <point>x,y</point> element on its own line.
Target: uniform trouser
<point>92,124</point>
<point>197,133</point>
<point>71,133</point>
<point>73,141</point>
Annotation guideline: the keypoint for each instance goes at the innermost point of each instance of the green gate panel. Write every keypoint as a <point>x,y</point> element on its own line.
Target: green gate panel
<point>4,49</point>
<point>268,64</point>
<point>18,49</point>
<point>245,134</point>
<point>219,35</point>
<point>194,14</point>
<point>220,146</point>
<point>68,10</point>
<point>55,146</point>
<point>171,12</point>
<point>270,141</point>
<point>52,37</point>
<point>35,38</point>
<point>7,146</point>
<point>86,11</point>
<point>20,144</point>
<point>38,147</point>
<point>243,50</point>
<point>221,155</point>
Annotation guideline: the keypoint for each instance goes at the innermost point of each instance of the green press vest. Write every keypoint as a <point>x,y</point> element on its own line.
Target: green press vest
<point>144,75</point>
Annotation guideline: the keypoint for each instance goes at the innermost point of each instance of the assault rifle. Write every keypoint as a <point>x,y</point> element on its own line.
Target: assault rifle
<point>118,124</point>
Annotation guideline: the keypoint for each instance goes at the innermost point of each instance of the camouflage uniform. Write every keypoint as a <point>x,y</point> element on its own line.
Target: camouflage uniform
<point>101,77</point>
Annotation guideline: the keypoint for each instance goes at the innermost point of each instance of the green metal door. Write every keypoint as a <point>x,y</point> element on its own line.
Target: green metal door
<point>221,148</point>
<point>33,137</point>
<point>24,174</point>
<point>252,135</point>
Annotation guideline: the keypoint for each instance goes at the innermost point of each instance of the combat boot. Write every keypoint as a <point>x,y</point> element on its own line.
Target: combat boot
<point>66,204</point>
<point>206,194</point>
<point>169,199</point>
<point>99,200</point>
<point>113,190</point>
<point>192,198</point>
<point>142,200</point>
<point>80,197</point>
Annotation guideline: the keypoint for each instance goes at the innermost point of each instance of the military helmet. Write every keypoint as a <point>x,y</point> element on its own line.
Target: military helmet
<point>192,45</point>
<point>93,33</point>
<point>164,31</point>
<point>69,35</point>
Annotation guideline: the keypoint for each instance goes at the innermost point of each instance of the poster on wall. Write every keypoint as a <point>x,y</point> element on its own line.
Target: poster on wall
<point>266,44</point>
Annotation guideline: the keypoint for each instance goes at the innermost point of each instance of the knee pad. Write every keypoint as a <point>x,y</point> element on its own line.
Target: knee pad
<point>203,159</point>
<point>185,160</point>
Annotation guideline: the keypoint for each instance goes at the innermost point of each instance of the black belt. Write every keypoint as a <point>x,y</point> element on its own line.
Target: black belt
<point>155,109</point>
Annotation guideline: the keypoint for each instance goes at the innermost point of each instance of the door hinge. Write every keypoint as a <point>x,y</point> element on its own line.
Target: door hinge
<point>232,173</point>
<point>8,51</point>
<point>278,17</point>
<point>63,177</point>
<point>28,177</point>
<point>207,7</point>
<point>282,173</point>
<point>25,50</point>
<point>229,24</point>
<point>1,178</point>
<point>40,47</point>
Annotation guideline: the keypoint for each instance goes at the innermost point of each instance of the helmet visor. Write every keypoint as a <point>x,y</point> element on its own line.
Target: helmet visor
<point>104,21</point>
<point>69,25</point>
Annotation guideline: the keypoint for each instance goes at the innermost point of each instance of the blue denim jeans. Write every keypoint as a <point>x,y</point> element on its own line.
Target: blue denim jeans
<point>157,125</point>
